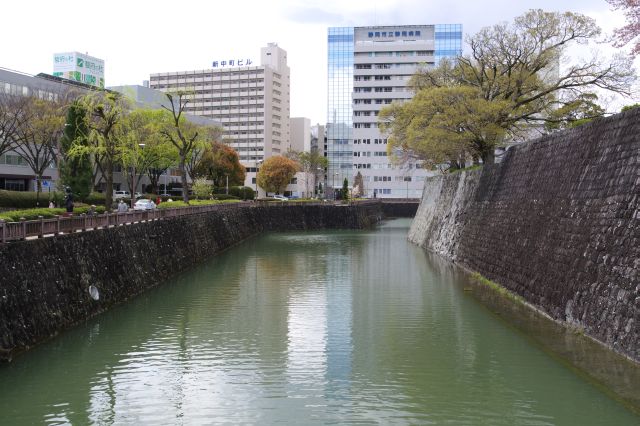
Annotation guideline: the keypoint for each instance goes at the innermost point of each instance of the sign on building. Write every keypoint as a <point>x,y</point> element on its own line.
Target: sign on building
<point>79,67</point>
<point>231,63</point>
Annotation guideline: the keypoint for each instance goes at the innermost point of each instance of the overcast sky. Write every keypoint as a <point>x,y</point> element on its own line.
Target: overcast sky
<point>140,37</point>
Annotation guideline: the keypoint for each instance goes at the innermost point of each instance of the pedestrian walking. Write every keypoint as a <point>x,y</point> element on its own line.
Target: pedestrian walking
<point>122,207</point>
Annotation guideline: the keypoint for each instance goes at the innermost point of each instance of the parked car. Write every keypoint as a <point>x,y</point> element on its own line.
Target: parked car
<point>138,195</point>
<point>121,194</point>
<point>280,197</point>
<point>144,205</point>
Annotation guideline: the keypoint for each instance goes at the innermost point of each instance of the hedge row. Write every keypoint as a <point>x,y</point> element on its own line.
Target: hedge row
<point>242,192</point>
<point>192,203</point>
<point>33,214</point>
<point>27,199</point>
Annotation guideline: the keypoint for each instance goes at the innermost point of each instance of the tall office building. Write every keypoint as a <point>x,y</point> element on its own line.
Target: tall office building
<point>251,102</point>
<point>368,68</point>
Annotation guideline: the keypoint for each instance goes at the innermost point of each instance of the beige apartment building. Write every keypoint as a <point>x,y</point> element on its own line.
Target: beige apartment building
<point>251,102</point>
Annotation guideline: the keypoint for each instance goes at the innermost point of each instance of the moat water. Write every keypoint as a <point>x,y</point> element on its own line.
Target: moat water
<point>331,327</point>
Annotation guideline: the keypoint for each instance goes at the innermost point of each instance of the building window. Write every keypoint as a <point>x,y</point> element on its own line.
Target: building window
<point>15,185</point>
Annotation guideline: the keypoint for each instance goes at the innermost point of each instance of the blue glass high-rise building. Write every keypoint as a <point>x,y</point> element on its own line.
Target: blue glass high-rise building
<point>368,68</point>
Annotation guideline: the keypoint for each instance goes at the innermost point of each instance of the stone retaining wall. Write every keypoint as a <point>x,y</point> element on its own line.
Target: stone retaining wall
<point>557,222</point>
<point>44,283</point>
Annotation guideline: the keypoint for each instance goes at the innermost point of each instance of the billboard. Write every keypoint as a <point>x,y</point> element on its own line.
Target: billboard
<point>79,67</point>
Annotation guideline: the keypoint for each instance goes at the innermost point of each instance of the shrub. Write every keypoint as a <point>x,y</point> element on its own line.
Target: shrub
<point>242,192</point>
<point>33,214</point>
<point>225,197</point>
<point>95,198</point>
<point>20,199</point>
<point>25,200</point>
<point>192,203</point>
<point>201,188</point>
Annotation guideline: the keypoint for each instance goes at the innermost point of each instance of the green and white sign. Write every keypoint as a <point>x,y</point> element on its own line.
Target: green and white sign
<point>79,67</point>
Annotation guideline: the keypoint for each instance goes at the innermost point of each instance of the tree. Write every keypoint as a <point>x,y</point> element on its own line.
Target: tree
<point>344,192</point>
<point>358,185</point>
<point>276,173</point>
<point>104,121</point>
<point>629,107</point>
<point>314,164</point>
<point>161,156</point>
<point>182,134</point>
<point>219,162</point>
<point>208,137</point>
<point>311,163</point>
<point>512,78</point>
<point>582,111</point>
<point>76,172</point>
<point>630,33</point>
<point>443,125</point>
<point>11,115</point>
<point>201,188</point>
<point>143,149</point>
<point>38,135</point>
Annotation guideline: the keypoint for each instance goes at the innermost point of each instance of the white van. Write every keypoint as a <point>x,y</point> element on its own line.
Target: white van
<point>121,194</point>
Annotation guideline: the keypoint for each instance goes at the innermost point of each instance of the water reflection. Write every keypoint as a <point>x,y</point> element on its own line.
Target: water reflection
<point>313,328</point>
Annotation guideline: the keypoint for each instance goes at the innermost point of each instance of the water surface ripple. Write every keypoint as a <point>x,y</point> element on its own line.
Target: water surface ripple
<point>303,328</point>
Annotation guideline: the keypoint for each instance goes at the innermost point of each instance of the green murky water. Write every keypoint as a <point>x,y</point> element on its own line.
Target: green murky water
<point>303,328</point>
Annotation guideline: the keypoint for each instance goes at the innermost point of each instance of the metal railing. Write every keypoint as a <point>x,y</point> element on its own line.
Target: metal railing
<point>13,231</point>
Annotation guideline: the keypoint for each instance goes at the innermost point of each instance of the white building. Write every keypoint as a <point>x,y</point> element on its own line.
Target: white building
<point>251,102</point>
<point>368,68</point>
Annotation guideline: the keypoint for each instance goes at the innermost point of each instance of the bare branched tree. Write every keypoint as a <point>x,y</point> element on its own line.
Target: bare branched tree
<point>11,116</point>
<point>38,134</point>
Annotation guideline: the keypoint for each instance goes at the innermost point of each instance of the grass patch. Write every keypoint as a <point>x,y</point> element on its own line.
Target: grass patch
<point>477,277</point>
<point>467,169</point>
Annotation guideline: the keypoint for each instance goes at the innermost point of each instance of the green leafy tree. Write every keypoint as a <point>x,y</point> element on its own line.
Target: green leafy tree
<point>143,149</point>
<point>181,133</point>
<point>106,112</point>
<point>76,172</point>
<point>629,107</point>
<point>276,173</point>
<point>583,110</point>
<point>209,135</point>
<point>442,125</point>
<point>344,192</point>
<point>513,78</point>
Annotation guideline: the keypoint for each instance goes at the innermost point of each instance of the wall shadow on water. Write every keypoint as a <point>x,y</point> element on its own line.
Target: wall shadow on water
<point>611,372</point>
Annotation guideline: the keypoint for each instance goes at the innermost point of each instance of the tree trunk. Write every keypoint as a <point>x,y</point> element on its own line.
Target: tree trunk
<point>108,196</point>
<point>183,179</point>
<point>38,189</point>
<point>489,156</point>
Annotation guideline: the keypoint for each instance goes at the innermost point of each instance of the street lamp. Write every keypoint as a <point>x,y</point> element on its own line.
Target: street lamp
<point>165,182</point>
<point>334,184</point>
